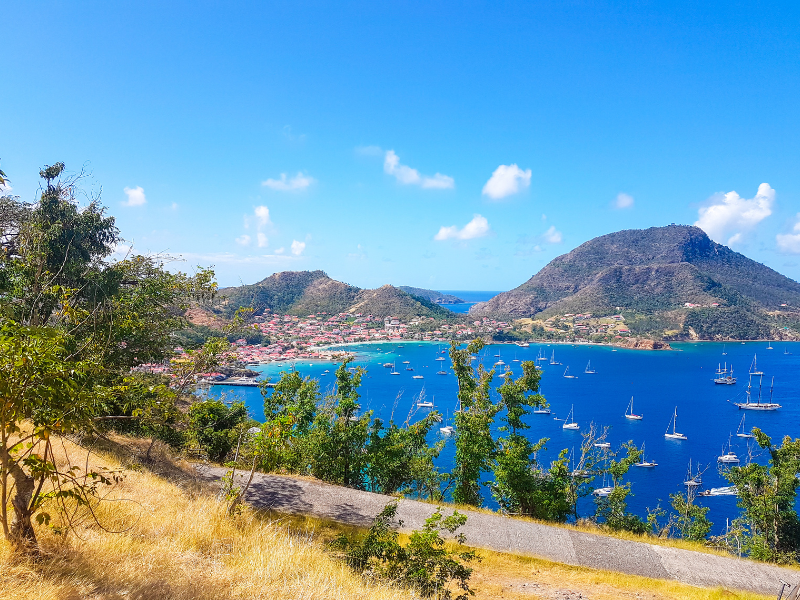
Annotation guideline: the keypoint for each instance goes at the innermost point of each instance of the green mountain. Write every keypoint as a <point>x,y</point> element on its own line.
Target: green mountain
<point>431,295</point>
<point>309,292</point>
<point>655,273</point>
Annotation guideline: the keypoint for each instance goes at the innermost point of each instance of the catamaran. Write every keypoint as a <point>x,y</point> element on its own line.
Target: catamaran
<point>742,432</point>
<point>758,405</point>
<point>553,359</point>
<point>644,462</point>
<point>629,414</point>
<point>695,480</point>
<point>723,377</point>
<point>541,355</point>
<point>417,377</point>
<point>754,367</point>
<point>568,422</point>
<point>674,435</point>
<point>567,375</point>
<point>589,368</point>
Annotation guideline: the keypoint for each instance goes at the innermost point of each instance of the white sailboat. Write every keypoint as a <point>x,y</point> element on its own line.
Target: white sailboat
<point>724,353</point>
<point>394,371</point>
<point>567,375</point>
<point>758,405</point>
<point>723,377</point>
<point>695,480</point>
<point>568,422</point>
<point>769,346</point>
<point>674,435</point>
<point>754,367</point>
<point>553,359</point>
<point>644,462</point>
<point>729,457</point>
<point>629,414</point>
<point>742,432</point>
<point>589,368</point>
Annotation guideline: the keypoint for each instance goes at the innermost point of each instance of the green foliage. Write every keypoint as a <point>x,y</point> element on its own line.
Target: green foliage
<point>399,459</point>
<point>473,440</point>
<point>215,426</point>
<point>767,495</point>
<point>735,323</point>
<point>689,521</point>
<point>425,565</point>
<point>44,393</point>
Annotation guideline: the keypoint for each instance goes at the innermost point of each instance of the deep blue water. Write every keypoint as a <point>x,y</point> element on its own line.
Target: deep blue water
<point>469,298</point>
<point>659,382</point>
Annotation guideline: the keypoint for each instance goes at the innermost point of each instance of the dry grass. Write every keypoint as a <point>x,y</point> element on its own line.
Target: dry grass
<point>507,576</point>
<point>177,543</point>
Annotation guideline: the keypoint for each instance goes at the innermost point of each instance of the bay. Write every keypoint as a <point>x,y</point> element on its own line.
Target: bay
<point>659,382</point>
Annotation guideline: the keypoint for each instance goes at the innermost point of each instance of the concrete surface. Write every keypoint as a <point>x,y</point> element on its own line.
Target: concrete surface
<point>495,532</point>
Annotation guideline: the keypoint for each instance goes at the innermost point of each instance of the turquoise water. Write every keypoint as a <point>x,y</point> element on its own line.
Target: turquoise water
<point>659,382</point>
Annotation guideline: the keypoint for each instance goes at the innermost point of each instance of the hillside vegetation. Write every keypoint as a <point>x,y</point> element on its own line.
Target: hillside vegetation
<point>657,272</point>
<point>303,293</point>
<point>431,295</point>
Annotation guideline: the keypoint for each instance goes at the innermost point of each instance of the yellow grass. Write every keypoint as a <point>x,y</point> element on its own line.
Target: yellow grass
<point>176,542</point>
<point>502,575</point>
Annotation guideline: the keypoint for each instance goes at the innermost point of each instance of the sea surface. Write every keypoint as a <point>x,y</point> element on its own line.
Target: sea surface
<point>470,298</point>
<point>659,382</point>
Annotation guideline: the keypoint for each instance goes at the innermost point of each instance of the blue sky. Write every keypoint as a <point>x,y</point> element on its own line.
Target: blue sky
<point>443,145</point>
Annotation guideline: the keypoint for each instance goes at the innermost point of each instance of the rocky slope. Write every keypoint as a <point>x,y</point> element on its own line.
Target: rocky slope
<point>656,271</point>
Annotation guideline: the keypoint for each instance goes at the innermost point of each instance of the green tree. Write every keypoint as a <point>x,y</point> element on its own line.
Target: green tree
<point>399,459</point>
<point>215,426</point>
<point>474,418</point>
<point>43,393</point>
<point>335,444</point>
<point>612,510</point>
<point>767,495</point>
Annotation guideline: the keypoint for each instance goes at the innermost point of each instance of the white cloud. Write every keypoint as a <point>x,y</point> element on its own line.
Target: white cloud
<point>5,189</point>
<point>623,201</point>
<point>286,184</point>
<point>298,247</point>
<point>243,240</point>
<point>438,182</point>
<point>790,242</point>
<point>262,216</point>
<point>506,180</point>
<point>135,196</point>
<point>174,206</point>
<point>478,227</point>
<point>262,240</point>
<point>728,217</point>
<point>280,250</point>
<point>552,235</point>
<point>369,150</point>
<point>408,176</point>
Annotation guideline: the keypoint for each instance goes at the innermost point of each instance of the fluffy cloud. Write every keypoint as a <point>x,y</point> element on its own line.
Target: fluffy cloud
<point>623,201</point>
<point>298,247</point>
<point>135,196</point>
<point>286,184</point>
<point>262,240</point>
<point>552,235</point>
<point>505,181</point>
<point>243,240</point>
<point>790,242</point>
<point>262,216</point>
<point>408,176</point>
<point>280,250</point>
<point>728,217</point>
<point>478,227</point>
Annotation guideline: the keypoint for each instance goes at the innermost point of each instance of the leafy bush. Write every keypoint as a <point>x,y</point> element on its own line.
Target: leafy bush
<point>425,565</point>
<point>213,425</point>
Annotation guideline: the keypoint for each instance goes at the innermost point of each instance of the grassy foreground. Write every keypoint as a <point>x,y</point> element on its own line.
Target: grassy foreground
<point>160,538</point>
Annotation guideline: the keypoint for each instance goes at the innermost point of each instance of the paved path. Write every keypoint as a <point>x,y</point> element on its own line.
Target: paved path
<point>495,532</point>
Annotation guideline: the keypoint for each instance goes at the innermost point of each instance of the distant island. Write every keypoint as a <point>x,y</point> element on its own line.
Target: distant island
<point>432,295</point>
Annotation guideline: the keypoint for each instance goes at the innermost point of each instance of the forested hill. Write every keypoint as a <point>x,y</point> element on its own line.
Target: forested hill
<point>654,271</point>
<point>431,295</point>
<point>309,292</point>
